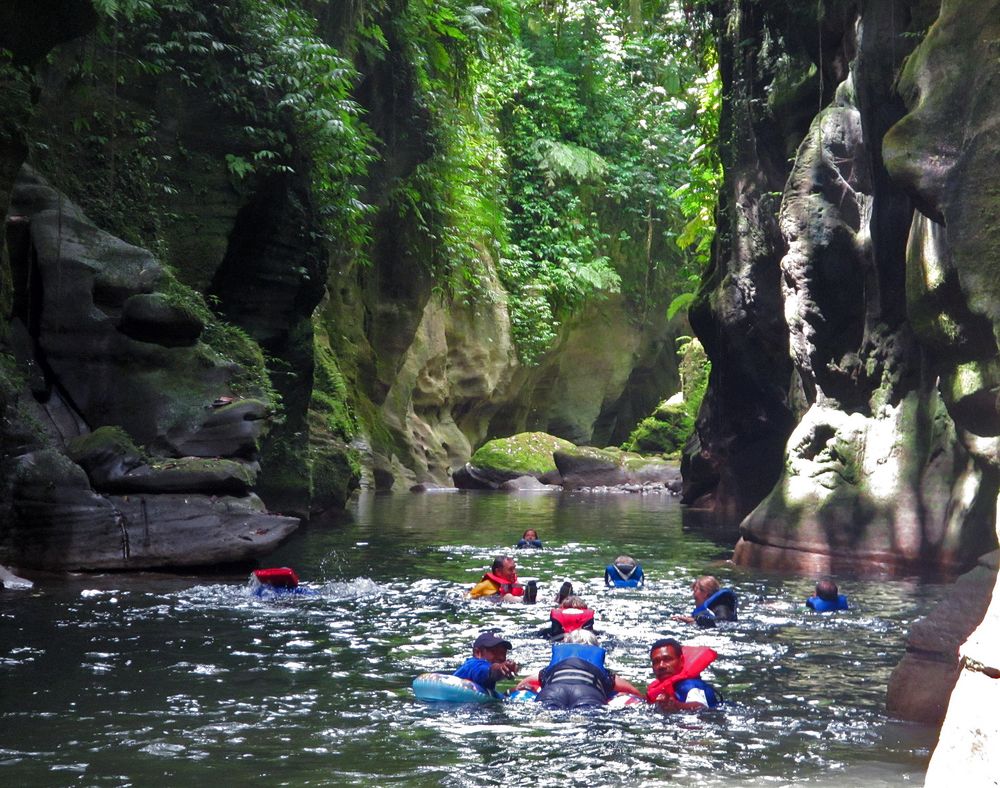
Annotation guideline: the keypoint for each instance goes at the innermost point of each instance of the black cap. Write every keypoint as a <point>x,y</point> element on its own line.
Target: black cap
<point>491,640</point>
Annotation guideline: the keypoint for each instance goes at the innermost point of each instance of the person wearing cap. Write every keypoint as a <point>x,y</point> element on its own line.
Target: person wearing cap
<point>500,582</point>
<point>488,663</point>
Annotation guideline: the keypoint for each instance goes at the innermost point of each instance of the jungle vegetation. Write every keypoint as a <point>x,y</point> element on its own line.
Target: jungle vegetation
<point>571,142</point>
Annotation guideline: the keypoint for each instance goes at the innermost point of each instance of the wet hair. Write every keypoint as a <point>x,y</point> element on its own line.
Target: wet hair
<point>498,563</point>
<point>708,584</point>
<point>827,590</point>
<point>626,560</point>
<point>573,601</point>
<point>529,531</point>
<point>583,637</point>
<point>666,642</point>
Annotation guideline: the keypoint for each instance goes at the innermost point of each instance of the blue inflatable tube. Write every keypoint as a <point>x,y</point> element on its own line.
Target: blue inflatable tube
<point>444,687</point>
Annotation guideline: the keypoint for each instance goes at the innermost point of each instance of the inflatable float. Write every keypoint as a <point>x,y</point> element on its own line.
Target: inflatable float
<point>445,688</point>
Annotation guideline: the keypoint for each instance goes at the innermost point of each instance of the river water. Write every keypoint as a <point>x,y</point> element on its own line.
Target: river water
<point>182,680</point>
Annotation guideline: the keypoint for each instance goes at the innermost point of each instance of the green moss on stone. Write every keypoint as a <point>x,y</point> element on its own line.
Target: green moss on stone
<point>666,432</point>
<point>103,440</point>
<point>528,453</point>
<point>671,424</point>
<point>227,342</point>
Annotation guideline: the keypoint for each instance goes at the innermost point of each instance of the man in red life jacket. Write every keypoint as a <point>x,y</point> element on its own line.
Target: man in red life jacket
<point>678,685</point>
<point>500,582</point>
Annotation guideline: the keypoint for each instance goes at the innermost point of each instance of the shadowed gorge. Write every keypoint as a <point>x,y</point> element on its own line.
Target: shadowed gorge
<point>260,256</point>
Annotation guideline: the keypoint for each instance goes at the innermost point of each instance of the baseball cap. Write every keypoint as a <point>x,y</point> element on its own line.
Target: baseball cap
<point>491,640</point>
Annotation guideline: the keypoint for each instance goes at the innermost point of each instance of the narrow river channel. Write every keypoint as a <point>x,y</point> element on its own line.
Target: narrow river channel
<point>156,679</point>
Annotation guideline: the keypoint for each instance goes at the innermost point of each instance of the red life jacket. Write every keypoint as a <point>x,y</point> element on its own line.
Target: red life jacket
<point>695,660</point>
<point>506,586</point>
<point>277,577</point>
<point>570,618</point>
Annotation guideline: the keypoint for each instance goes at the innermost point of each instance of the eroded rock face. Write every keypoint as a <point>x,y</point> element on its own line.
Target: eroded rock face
<point>923,680</point>
<point>100,363</point>
<point>946,151</point>
<point>868,479</point>
<point>861,495</point>
<point>160,394</point>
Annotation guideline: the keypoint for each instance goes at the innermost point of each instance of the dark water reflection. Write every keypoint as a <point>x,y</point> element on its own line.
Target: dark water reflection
<point>124,680</point>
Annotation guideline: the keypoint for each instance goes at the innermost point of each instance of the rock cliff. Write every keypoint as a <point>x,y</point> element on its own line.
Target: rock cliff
<point>856,264</point>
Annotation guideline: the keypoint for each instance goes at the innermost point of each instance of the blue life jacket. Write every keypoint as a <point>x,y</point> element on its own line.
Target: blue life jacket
<point>577,663</point>
<point>593,654</point>
<point>528,543</point>
<point>682,688</point>
<point>705,616</point>
<point>264,591</point>
<point>827,605</point>
<point>623,576</point>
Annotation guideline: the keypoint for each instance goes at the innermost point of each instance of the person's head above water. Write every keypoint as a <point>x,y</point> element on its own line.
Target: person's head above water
<point>565,591</point>
<point>625,560</point>
<point>531,535</point>
<point>581,637</point>
<point>491,647</point>
<point>504,566</point>
<point>827,590</point>
<point>704,587</point>
<point>666,657</point>
<point>574,602</point>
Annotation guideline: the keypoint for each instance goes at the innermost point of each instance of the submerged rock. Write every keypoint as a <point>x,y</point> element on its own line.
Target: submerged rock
<point>11,581</point>
<point>921,683</point>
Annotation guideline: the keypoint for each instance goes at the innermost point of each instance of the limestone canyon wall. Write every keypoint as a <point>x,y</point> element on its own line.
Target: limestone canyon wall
<point>139,385</point>
<point>857,262</point>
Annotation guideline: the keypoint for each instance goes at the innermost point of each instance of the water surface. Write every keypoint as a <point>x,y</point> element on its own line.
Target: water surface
<point>141,679</point>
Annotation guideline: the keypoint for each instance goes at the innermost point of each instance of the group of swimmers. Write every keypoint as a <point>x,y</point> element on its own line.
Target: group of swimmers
<point>576,676</point>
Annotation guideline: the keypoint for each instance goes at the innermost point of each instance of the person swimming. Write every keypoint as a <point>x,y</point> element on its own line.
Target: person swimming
<point>529,539</point>
<point>576,677</point>
<point>828,598</point>
<point>625,572</point>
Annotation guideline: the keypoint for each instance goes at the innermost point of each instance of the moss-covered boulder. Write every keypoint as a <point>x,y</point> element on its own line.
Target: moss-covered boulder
<point>585,466</point>
<point>503,459</point>
<point>664,432</point>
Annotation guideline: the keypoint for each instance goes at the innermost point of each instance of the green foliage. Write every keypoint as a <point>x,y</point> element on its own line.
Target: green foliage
<point>695,369</point>
<point>608,126</point>
<point>284,92</point>
<point>666,432</point>
<point>228,342</point>
<point>450,204</point>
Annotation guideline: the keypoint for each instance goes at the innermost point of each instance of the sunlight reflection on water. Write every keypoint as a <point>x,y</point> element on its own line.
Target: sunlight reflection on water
<point>142,679</point>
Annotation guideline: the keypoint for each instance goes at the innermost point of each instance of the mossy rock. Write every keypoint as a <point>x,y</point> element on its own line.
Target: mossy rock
<point>584,466</point>
<point>525,454</point>
<point>665,432</point>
